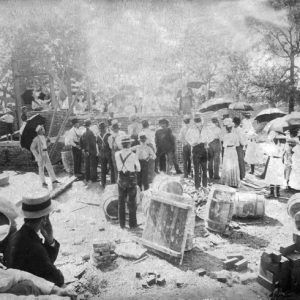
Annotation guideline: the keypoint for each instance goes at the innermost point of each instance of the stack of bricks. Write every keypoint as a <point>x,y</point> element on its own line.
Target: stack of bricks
<point>281,268</point>
<point>103,253</point>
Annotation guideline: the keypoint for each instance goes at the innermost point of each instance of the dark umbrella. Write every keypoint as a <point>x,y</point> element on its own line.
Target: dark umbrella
<point>240,106</point>
<point>215,104</point>
<point>29,132</point>
<point>269,114</point>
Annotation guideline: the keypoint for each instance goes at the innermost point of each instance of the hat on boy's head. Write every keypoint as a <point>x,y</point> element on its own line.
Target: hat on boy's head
<point>36,205</point>
<point>126,139</point>
<point>102,125</point>
<point>75,121</point>
<point>39,127</point>
<point>186,117</point>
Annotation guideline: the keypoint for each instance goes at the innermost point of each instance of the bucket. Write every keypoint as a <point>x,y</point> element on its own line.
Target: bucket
<point>220,207</point>
<point>111,201</point>
<point>249,205</point>
<point>167,184</point>
<point>67,160</point>
<point>294,205</point>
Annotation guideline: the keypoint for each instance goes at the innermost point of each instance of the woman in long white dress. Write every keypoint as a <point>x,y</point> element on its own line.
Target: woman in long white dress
<point>275,171</point>
<point>294,181</point>
<point>230,168</point>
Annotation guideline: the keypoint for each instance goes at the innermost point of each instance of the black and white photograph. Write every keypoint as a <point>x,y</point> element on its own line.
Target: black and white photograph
<point>150,149</point>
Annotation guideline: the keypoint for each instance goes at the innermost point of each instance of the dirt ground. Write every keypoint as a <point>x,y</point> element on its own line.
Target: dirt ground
<point>77,225</point>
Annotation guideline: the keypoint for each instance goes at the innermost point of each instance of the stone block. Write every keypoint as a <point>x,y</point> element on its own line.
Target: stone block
<point>230,263</point>
<point>241,265</point>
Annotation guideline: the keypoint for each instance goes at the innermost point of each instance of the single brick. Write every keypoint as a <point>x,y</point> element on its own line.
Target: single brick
<point>161,281</point>
<point>200,272</point>
<point>237,255</point>
<point>285,250</point>
<point>151,280</point>
<point>230,263</point>
<point>222,278</point>
<point>179,284</point>
<point>241,265</point>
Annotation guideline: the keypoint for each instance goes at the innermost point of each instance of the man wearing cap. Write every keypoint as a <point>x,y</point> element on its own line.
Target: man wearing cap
<point>127,165</point>
<point>214,149</point>
<point>89,148</point>
<point>39,150</point>
<point>25,251</point>
<point>114,141</point>
<point>197,137</point>
<point>105,158</point>
<point>74,140</point>
<point>144,153</point>
<point>186,148</point>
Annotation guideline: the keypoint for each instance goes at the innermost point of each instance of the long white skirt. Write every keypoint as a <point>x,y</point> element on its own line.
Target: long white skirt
<point>254,154</point>
<point>294,181</point>
<point>275,172</point>
<point>230,169</point>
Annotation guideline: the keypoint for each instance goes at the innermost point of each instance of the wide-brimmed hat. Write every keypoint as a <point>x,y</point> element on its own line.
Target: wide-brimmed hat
<point>39,127</point>
<point>228,122</point>
<point>75,121</point>
<point>125,139</point>
<point>36,205</point>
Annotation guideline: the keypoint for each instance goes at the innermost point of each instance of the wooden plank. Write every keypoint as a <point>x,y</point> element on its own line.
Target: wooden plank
<point>61,188</point>
<point>158,247</point>
<point>165,198</point>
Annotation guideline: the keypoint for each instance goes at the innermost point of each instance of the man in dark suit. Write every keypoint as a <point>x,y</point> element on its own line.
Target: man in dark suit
<point>89,148</point>
<point>25,251</point>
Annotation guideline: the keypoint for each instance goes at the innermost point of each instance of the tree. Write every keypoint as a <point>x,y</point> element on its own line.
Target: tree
<point>282,39</point>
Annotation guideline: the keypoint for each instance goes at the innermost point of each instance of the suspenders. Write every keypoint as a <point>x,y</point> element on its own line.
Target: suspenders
<point>123,160</point>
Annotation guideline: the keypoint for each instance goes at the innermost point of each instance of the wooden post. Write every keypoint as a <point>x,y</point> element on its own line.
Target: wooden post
<point>52,92</point>
<point>18,100</point>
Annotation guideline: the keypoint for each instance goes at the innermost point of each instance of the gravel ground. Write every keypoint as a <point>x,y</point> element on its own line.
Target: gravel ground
<point>77,226</point>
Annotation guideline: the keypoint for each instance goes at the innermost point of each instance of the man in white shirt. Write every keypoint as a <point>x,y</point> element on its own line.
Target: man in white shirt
<point>114,141</point>
<point>214,148</point>
<point>39,150</point>
<point>198,137</point>
<point>127,165</point>
<point>74,140</point>
<point>186,148</point>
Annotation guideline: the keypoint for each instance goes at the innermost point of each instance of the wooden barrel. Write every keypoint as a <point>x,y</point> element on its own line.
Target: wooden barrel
<point>167,184</point>
<point>4,179</point>
<point>249,205</point>
<point>297,220</point>
<point>294,205</point>
<point>219,208</point>
<point>67,160</point>
<point>110,201</point>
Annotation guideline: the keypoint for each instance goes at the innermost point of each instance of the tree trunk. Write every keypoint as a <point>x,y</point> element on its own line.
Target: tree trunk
<point>292,84</point>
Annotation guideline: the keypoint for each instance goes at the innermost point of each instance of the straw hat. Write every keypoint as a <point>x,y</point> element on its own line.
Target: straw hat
<point>126,139</point>
<point>36,205</point>
<point>39,127</point>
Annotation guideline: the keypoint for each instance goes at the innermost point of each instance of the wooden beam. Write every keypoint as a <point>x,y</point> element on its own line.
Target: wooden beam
<point>158,247</point>
<point>16,81</point>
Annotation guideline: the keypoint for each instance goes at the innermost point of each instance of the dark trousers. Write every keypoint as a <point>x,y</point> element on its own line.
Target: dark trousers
<point>200,161</point>
<point>186,156</point>
<point>240,153</point>
<point>114,170</point>
<point>142,177</point>
<point>214,159</point>
<point>105,163</point>
<point>127,188</point>
<point>160,162</point>
<point>90,162</point>
<point>77,157</point>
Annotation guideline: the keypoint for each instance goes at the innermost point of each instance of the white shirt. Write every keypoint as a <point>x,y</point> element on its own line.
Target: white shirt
<point>182,134</point>
<point>145,152</point>
<point>241,135</point>
<point>7,118</point>
<point>213,132</point>
<point>114,140</point>
<point>150,134</point>
<point>74,136</point>
<point>196,135</point>
<point>247,126</point>
<point>131,164</point>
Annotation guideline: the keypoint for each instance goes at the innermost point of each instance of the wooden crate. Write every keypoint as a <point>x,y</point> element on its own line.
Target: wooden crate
<point>166,226</point>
